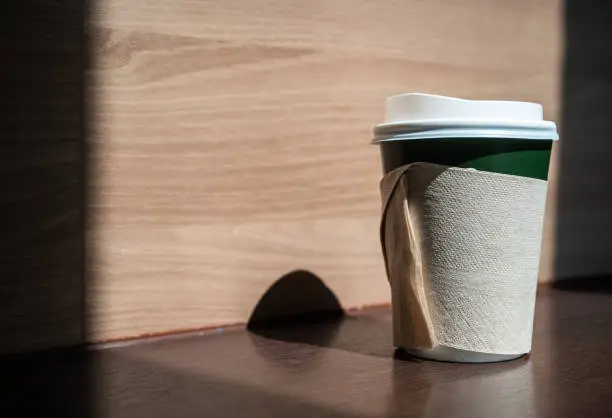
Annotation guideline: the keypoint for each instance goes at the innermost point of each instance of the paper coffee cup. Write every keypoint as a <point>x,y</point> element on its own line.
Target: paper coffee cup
<point>463,200</point>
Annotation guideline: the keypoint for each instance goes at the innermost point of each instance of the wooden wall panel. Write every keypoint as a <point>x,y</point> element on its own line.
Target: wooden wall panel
<point>231,139</point>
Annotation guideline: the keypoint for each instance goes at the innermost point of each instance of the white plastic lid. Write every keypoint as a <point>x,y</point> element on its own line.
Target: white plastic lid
<point>417,115</point>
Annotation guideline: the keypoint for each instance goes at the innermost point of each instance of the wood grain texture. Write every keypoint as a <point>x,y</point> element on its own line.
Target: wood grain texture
<point>42,175</point>
<point>231,139</point>
<point>327,368</point>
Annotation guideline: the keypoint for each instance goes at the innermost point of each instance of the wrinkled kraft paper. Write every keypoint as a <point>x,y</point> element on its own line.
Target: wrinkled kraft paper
<point>462,249</point>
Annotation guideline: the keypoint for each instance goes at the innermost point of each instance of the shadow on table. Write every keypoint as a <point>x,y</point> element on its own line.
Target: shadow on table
<point>602,284</point>
<point>125,386</point>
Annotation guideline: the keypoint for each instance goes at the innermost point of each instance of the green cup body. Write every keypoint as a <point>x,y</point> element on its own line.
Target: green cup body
<point>520,157</point>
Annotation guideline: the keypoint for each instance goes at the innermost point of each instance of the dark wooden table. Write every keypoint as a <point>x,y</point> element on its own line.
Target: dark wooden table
<point>326,367</point>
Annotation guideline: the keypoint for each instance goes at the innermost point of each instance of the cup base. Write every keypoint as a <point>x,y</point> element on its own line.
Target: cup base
<point>443,353</point>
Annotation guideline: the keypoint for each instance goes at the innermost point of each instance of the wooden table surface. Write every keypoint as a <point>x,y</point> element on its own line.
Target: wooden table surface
<point>326,368</point>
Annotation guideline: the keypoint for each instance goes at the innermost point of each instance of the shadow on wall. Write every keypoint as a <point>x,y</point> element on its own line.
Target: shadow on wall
<point>43,165</point>
<point>584,221</point>
<point>584,213</point>
<point>295,295</point>
<point>300,308</point>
